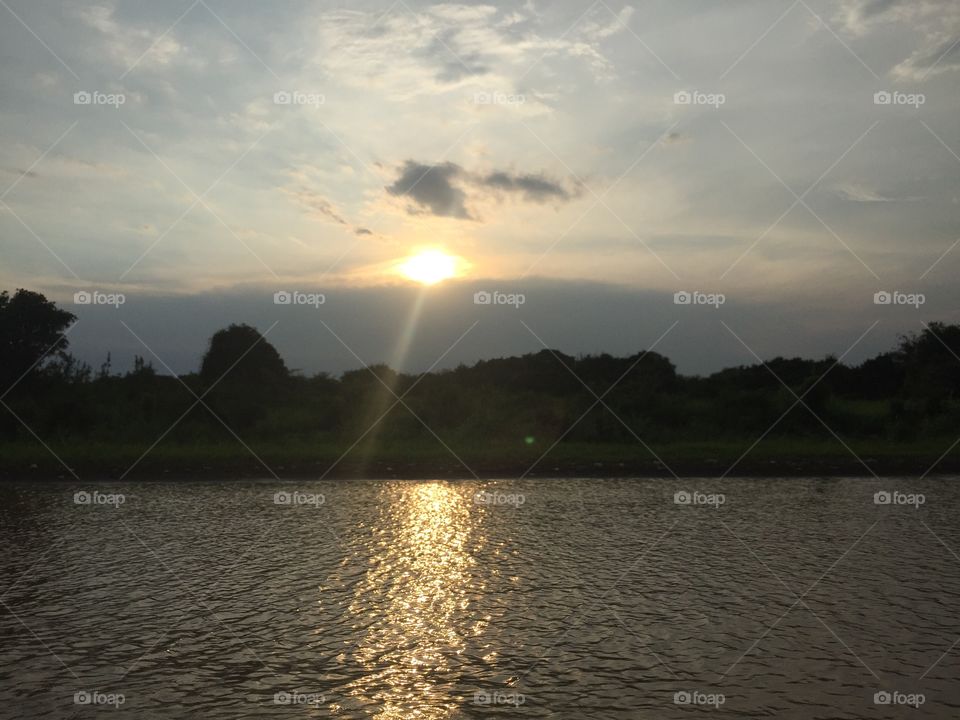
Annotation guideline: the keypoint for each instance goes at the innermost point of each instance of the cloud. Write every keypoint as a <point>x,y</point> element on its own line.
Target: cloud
<point>859,193</point>
<point>414,52</point>
<point>676,138</point>
<point>453,66</point>
<point>320,208</point>
<point>857,15</point>
<point>937,22</point>
<point>597,30</point>
<point>574,316</point>
<point>443,189</point>
<point>860,17</point>
<point>931,60</point>
<point>200,110</point>
<point>432,187</point>
<point>317,205</point>
<point>535,188</point>
<point>126,44</point>
<point>19,172</point>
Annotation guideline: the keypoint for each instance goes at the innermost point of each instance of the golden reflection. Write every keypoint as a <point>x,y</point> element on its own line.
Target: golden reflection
<point>413,601</point>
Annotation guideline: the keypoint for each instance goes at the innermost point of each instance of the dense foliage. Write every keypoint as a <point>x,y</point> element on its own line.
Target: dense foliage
<point>244,387</point>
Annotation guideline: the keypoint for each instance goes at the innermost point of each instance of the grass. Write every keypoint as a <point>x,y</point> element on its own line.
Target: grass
<point>429,456</point>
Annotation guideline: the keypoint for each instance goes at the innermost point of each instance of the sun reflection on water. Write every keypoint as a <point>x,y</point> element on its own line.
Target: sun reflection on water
<point>413,601</point>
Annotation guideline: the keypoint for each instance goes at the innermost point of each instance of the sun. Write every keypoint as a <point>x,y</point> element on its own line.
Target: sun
<point>429,267</point>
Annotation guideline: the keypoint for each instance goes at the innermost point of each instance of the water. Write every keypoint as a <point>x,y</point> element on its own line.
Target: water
<point>566,599</point>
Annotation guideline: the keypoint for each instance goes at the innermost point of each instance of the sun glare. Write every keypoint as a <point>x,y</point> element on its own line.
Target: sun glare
<point>429,267</point>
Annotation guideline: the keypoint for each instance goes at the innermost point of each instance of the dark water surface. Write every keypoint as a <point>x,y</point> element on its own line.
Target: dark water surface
<point>549,598</point>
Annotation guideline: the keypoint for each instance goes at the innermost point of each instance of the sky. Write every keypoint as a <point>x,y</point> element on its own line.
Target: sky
<point>199,156</point>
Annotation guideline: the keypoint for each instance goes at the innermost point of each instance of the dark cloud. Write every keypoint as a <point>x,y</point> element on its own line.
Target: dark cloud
<point>440,189</point>
<point>535,188</point>
<point>572,316</point>
<point>432,187</point>
<point>19,172</point>
<point>676,138</point>
<point>362,231</point>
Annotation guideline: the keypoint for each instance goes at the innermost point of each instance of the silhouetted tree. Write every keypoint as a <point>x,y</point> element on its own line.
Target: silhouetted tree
<point>31,335</point>
<point>241,354</point>
<point>931,361</point>
<point>910,392</point>
<point>244,374</point>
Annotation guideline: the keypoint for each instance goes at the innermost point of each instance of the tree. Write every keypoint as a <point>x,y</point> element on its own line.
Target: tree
<point>931,361</point>
<point>32,335</point>
<point>241,354</point>
<point>246,374</point>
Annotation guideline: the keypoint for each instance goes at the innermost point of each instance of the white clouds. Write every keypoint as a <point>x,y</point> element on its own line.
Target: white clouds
<point>408,54</point>
<point>858,193</point>
<point>125,44</point>
<point>936,23</point>
<point>859,15</point>
<point>402,85</point>
<point>468,14</point>
<point>596,29</point>
<point>863,16</point>
<point>940,55</point>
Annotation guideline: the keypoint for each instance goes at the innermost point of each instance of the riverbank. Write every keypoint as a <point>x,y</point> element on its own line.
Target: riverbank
<point>778,459</point>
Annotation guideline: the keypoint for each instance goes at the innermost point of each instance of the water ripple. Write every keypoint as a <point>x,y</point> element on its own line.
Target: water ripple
<point>545,598</point>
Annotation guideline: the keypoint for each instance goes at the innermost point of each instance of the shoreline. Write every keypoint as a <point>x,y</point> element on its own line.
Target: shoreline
<point>387,470</point>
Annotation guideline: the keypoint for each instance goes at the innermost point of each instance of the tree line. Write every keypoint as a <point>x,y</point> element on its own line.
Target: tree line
<point>243,386</point>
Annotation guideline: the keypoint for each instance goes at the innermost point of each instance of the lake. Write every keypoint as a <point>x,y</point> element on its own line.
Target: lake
<point>564,598</point>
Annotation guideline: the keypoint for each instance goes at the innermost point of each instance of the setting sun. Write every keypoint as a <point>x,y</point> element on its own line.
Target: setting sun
<point>429,267</point>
